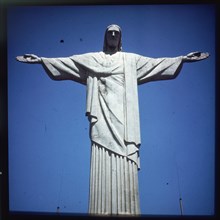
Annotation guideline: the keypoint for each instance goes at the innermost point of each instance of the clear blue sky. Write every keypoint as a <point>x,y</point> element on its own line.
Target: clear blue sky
<point>49,146</point>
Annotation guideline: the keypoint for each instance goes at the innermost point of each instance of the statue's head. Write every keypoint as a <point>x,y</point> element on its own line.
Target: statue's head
<point>112,40</point>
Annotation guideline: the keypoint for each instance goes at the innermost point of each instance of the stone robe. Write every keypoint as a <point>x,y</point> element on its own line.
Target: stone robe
<point>113,113</point>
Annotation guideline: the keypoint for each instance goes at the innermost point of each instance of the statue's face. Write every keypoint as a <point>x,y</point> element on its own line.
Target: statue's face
<point>113,38</point>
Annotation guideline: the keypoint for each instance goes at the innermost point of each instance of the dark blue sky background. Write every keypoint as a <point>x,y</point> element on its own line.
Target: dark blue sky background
<point>49,146</point>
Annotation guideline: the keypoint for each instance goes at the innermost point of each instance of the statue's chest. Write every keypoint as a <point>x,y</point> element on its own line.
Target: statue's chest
<point>112,60</point>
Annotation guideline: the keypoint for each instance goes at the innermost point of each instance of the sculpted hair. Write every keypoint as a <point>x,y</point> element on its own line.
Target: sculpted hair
<point>105,46</point>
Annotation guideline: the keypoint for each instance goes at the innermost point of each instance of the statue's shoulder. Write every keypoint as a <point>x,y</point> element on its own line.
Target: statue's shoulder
<point>89,54</point>
<point>132,56</point>
<point>95,55</point>
<point>87,57</point>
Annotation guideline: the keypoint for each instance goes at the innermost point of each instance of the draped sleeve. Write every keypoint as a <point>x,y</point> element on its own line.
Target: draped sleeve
<point>65,69</point>
<point>152,69</point>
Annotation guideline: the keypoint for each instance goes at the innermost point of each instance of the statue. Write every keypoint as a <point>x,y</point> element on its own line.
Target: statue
<point>111,78</point>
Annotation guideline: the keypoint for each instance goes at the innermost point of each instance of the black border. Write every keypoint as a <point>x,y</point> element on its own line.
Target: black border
<point>5,214</point>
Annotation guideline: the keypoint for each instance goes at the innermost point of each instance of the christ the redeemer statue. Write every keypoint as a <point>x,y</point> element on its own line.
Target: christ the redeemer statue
<point>111,78</point>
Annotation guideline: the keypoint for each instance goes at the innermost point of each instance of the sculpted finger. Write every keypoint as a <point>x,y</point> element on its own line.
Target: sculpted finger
<point>204,56</point>
<point>21,59</point>
<point>193,54</point>
<point>29,56</point>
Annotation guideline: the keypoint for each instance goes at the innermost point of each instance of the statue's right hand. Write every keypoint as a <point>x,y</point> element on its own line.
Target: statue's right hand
<point>29,58</point>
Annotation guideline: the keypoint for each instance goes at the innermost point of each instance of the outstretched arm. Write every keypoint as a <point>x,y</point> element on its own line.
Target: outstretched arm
<point>29,58</point>
<point>195,56</point>
<point>57,68</point>
<point>150,69</point>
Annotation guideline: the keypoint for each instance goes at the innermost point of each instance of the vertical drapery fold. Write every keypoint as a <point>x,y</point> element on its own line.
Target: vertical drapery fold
<point>113,184</point>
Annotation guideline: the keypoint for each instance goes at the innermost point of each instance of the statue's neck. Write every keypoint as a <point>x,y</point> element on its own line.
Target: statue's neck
<point>111,50</point>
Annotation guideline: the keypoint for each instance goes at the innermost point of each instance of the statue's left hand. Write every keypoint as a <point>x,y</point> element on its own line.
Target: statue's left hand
<point>195,56</point>
<point>29,58</point>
